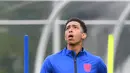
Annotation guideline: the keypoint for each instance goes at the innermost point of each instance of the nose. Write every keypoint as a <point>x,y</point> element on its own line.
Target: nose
<point>70,30</point>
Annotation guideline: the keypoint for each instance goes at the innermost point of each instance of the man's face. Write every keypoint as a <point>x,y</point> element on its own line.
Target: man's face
<point>74,33</point>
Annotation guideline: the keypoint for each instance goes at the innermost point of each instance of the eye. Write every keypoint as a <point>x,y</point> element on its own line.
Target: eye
<point>75,27</point>
<point>67,28</point>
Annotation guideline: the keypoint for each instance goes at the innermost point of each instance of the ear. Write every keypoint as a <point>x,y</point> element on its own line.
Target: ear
<point>84,36</point>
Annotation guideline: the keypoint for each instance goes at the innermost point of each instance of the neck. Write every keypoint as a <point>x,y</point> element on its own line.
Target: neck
<point>77,48</point>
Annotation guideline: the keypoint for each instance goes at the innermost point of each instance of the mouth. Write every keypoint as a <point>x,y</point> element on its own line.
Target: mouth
<point>70,36</point>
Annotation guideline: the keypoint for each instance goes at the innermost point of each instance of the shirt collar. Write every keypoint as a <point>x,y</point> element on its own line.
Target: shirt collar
<point>69,52</point>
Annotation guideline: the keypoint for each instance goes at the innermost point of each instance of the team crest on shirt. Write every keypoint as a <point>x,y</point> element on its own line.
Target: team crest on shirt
<point>87,67</point>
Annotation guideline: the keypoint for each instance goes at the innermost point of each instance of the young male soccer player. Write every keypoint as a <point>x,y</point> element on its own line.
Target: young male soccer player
<point>74,58</point>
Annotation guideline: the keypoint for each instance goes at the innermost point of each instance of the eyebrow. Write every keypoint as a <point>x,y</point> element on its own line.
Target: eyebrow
<point>72,25</point>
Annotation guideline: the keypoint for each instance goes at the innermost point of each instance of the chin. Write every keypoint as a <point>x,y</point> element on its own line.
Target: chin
<point>71,43</point>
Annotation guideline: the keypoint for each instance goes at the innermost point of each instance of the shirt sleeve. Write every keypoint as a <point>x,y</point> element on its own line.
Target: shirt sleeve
<point>101,66</point>
<point>46,66</point>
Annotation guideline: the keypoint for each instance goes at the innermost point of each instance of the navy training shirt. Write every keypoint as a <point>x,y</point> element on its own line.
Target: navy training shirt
<point>66,61</point>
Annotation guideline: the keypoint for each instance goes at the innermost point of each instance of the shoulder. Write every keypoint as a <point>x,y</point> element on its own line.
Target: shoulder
<point>93,57</point>
<point>54,56</point>
<point>97,59</point>
<point>48,63</point>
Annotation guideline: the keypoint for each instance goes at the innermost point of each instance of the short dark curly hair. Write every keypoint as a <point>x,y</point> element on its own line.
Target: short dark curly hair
<point>82,24</point>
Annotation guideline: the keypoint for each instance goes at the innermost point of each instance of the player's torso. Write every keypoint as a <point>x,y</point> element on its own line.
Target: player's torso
<point>66,64</point>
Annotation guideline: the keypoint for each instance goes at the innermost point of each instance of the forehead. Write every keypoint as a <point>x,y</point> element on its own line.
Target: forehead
<point>73,23</point>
